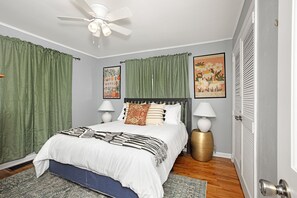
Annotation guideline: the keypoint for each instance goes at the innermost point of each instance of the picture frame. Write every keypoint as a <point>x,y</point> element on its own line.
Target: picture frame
<point>112,82</point>
<point>209,74</point>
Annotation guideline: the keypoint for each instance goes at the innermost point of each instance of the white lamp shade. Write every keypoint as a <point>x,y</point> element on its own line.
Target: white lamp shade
<point>204,109</point>
<point>106,106</point>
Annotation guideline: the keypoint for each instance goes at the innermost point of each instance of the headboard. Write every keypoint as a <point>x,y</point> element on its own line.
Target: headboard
<point>186,110</point>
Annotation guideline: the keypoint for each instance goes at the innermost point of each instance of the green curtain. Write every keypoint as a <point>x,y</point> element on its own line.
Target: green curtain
<point>158,77</point>
<point>35,96</point>
<point>139,78</point>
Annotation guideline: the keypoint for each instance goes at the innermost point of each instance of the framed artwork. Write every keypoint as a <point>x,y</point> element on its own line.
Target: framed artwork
<point>209,76</point>
<point>112,82</point>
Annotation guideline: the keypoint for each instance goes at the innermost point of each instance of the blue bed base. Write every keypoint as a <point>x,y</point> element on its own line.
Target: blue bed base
<point>88,179</point>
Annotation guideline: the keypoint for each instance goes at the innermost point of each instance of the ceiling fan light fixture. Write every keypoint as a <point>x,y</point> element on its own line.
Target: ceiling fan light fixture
<point>105,30</point>
<point>101,18</point>
<point>97,34</point>
<point>93,27</point>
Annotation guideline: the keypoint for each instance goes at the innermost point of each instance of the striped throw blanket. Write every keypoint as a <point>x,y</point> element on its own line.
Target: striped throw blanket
<point>78,132</point>
<point>150,144</point>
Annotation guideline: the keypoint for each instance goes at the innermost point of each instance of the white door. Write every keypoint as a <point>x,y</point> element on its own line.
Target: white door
<point>244,106</point>
<point>237,109</point>
<point>248,107</point>
<point>287,103</point>
<point>287,94</point>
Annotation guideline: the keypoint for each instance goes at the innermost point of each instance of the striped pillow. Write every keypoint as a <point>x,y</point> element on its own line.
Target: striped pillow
<point>155,114</point>
<point>123,112</point>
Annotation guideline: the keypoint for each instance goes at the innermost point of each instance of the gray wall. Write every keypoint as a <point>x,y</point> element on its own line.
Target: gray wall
<point>221,125</point>
<point>267,90</point>
<point>85,79</point>
<point>244,11</point>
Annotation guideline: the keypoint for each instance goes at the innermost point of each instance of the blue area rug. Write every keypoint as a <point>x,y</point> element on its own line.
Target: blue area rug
<point>25,184</point>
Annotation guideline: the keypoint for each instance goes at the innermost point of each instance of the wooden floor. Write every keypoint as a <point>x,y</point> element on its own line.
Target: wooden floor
<point>8,172</point>
<point>220,174</point>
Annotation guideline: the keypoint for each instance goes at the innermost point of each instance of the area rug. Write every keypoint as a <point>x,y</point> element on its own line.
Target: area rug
<point>25,184</point>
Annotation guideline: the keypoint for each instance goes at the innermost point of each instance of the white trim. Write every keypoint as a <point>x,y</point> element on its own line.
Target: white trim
<point>165,48</point>
<point>45,39</point>
<point>116,55</point>
<point>294,89</point>
<point>233,107</point>
<point>17,162</point>
<point>223,155</point>
<point>256,19</point>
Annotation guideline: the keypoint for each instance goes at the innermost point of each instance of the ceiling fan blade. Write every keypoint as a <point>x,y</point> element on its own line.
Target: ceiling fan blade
<point>65,18</point>
<point>119,29</point>
<point>119,14</point>
<point>85,6</point>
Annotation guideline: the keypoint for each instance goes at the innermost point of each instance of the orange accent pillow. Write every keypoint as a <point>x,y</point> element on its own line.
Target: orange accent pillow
<point>137,114</point>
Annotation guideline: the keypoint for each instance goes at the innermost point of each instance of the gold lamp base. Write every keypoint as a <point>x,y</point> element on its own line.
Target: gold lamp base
<point>202,145</point>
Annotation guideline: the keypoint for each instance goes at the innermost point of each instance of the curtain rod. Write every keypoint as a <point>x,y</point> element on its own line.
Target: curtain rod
<point>121,62</point>
<point>76,58</point>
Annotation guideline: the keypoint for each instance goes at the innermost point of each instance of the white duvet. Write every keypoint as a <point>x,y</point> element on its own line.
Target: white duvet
<point>134,168</point>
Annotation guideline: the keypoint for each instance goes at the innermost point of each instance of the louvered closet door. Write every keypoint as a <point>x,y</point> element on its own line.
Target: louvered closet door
<point>237,108</point>
<point>248,107</point>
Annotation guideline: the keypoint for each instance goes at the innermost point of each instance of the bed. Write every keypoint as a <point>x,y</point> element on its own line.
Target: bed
<point>114,170</point>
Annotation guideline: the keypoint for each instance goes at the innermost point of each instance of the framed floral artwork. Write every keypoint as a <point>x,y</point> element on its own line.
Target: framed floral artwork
<point>209,76</point>
<point>112,82</point>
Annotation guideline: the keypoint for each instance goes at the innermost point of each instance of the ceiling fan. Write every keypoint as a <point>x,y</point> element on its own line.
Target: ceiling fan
<point>101,18</point>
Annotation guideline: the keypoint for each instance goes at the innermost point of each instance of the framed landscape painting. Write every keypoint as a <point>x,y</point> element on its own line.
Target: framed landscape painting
<point>112,82</point>
<point>209,76</point>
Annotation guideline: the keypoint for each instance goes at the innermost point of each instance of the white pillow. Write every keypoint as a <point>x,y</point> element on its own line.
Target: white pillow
<point>173,114</point>
<point>122,114</point>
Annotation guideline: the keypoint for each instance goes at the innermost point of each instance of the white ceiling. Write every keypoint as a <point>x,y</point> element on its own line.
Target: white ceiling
<point>156,24</point>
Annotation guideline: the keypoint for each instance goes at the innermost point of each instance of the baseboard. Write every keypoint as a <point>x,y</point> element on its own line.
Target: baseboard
<point>223,155</point>
<point>17,162</point>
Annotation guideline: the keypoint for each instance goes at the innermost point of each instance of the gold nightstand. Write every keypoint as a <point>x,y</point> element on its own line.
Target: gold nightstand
<point>202,145</point>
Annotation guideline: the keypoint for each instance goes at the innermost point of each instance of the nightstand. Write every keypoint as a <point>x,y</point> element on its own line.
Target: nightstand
<point>202,145</point>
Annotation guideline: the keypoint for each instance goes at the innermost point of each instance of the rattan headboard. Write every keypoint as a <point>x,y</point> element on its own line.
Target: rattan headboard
<point>186,110</point>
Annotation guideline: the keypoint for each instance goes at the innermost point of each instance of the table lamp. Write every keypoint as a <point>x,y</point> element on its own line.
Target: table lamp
<point>107,107</point>
<point>204,110</point>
